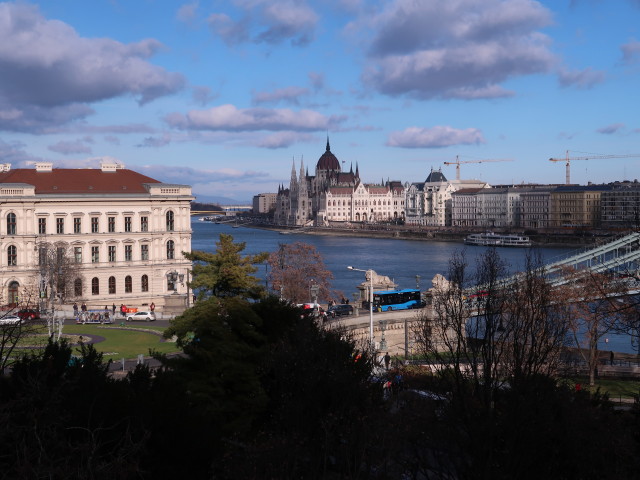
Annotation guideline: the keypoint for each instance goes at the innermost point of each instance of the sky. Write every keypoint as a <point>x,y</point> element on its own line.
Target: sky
<point>227,95</point>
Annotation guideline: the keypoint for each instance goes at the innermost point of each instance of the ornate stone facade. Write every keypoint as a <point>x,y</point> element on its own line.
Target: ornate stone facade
<point>125,231</point>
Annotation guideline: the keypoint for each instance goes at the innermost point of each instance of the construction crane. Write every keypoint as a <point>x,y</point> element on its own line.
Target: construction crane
<point>568,160</point>
<point>458,162</point>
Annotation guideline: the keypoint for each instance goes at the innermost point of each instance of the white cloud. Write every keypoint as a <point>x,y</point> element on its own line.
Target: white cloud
<point>435,137</point>
<point>288,95</point>
<point>50,74</point>
<point>264,21</point>
<point>583,79</point>
<point>230,118</point>
<point>610,129</point>
<point>631,52</point>
<point>455,49</point>
<point>70,147</point>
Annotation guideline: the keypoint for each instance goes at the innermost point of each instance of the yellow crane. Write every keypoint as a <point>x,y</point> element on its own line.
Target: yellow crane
<point>568,160</point>
<point>458,162</point>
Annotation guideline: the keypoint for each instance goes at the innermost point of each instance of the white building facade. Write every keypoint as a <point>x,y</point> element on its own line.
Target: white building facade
<point>125,231</point>
<point>430,203</point>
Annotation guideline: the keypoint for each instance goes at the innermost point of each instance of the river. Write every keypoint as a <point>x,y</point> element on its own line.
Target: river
<point>400,260</point>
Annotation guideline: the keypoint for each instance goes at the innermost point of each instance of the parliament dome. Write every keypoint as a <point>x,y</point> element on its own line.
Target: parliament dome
<point>328,160</point>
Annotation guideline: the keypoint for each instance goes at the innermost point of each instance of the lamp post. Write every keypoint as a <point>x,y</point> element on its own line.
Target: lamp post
<point>370,272</point>
<point>173,278</point>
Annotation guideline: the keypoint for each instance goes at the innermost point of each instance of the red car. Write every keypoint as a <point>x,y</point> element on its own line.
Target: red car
<point>28,314</point>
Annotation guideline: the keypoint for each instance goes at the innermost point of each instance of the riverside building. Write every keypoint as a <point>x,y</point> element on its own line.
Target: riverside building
<point>125,232</point>
<point>333,197</point>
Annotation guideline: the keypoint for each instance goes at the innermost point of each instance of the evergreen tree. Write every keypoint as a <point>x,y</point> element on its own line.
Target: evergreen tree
<point>226,273</point>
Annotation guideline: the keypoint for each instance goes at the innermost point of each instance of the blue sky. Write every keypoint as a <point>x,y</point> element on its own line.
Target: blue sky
<point>224,95</point>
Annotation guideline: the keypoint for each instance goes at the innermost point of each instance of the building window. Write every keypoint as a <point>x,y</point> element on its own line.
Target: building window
<point>60,225</point>
<point>170,250</point>
<point>128,253</point>
<point>128,284</point>
<point>95,254</point>
<point>95,286</point>
<point>111,223</point>
<point>170,221</point>
<point>94,225</point>
<point>42,256</point>
<point>12,256</point>
<point>11,224</point>
<point>42,226</point>
<point>77,225</point>
<point>144,224</point>
<point>77,254</point>
<point>144,252</point>
<point>112,285</point>
<point>77,287</point>
<point>144,283</point>
<point>127,224</point>
<point>112,253</point>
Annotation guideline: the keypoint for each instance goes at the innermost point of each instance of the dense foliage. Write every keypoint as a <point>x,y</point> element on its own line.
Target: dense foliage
<point>262,393</point>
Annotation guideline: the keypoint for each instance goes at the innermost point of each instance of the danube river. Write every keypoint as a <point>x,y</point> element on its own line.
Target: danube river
<point>400,260</point>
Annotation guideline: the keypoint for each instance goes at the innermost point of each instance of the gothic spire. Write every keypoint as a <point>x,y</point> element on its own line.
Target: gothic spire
<point>328,147</point>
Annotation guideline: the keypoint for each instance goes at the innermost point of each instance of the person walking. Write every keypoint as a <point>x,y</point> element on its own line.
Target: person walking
<point>152,307</point>
<point>387,360</point>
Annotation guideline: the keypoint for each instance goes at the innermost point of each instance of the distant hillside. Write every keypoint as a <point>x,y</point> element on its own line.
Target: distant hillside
<point>220,200</point>
<point>206,207</point>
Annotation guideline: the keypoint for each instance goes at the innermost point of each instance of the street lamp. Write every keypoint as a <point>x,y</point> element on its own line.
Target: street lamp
<point>370,272</point>
<point>172,277</point>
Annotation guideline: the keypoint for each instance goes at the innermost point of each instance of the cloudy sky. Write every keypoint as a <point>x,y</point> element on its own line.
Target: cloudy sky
<point>225,95</point>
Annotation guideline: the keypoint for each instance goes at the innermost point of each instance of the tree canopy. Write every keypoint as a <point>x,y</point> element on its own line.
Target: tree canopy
<point>294,267</point>
<point>226,273</point>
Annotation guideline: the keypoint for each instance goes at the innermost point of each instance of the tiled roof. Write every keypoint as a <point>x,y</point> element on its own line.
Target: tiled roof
<point>79,180</point>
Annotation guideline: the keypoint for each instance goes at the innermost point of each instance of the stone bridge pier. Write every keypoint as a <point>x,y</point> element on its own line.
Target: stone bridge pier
<point>397,328</point>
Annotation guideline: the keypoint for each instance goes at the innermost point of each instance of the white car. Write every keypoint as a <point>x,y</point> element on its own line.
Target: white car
<point>10,320</point>
<point>146,316</point>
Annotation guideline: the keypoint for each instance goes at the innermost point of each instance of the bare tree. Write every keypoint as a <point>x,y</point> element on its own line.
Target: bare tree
<point>13,331</point>
<point>294,268</point>
<point>58,273</point>
<point>489,329</point>
<point>593,310</point>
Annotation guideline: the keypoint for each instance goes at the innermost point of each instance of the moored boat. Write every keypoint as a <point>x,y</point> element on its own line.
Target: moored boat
<point>490,239</point>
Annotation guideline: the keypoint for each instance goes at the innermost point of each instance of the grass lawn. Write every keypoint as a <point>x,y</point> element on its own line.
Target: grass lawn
<point>617,388</point>
<point>123,342</point>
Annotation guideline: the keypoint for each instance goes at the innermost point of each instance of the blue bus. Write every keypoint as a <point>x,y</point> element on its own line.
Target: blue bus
<point>395,300</point>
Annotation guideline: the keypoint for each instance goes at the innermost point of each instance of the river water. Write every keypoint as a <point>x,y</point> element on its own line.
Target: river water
<point>400,260</point>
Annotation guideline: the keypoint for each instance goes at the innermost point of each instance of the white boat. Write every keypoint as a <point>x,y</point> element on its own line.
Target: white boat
<point>490,239</point>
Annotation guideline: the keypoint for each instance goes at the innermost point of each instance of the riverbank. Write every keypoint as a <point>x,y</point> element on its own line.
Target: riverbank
<point>405,232</point>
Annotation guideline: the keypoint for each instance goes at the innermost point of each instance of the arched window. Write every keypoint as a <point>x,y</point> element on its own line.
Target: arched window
<point>112,285</point>
<point>13,293</point>
<point>128,284</point>
<point>12,256</point>
<point>11,224</point>
<point>95,286</point>
<point>77,287</point>
<point>171,250</point>
<point>144,282</point>
<point>170,221</point>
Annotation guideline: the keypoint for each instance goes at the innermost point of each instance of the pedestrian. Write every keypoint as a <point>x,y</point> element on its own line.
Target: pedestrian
<point>152,306</point>
<point>387,361</point>
<point>113,309</point>
<point>84,307</point>
<point>75,309</point>
<point>611,357</point>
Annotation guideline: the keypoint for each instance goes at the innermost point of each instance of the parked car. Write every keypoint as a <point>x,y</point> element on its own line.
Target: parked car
<point>10,320</point>
<point>145,316</point>
<point>339,310</point>
<point>28,314</point>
